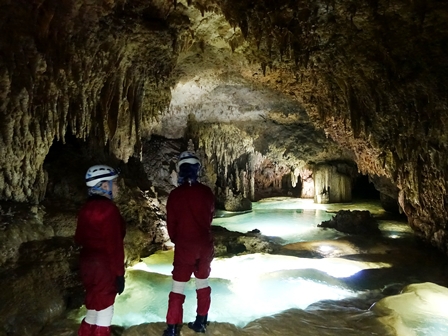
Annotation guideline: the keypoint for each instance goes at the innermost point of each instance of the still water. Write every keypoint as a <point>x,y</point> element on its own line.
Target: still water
<point>353,285</point>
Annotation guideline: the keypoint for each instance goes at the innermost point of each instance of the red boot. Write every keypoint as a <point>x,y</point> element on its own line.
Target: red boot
<point>101,331</point>
<point>203,296</point>
<point>175,308</point>
<point>85,329</point>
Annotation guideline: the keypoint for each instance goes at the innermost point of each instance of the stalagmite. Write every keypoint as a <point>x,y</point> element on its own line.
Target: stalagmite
<point>331,186</point>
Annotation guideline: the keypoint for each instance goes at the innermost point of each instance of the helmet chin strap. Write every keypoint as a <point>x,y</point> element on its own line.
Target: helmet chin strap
<point>110,193</point>
<point>105,192</point>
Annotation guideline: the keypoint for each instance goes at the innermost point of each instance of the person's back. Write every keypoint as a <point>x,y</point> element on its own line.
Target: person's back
<point>190,209</point>
<point>100,232</point>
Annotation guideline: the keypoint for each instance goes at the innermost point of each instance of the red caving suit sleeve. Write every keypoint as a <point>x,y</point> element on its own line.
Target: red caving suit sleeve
<point>190,210</point>
<point>100,231</point>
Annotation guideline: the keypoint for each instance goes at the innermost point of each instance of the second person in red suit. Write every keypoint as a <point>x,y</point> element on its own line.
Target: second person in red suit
<point>190,210</point>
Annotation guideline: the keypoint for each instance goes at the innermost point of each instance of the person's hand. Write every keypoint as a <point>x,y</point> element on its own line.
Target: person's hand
<point>119,282</point>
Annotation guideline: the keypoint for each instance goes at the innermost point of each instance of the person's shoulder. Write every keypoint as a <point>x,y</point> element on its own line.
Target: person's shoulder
<point>174,192</point>
<point>205,187</point>
<point>102,202</point>
<point>99,199</point>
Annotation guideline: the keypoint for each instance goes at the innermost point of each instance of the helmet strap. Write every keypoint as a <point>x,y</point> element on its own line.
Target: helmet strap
<point>102,191</point>
<point>110,193</point>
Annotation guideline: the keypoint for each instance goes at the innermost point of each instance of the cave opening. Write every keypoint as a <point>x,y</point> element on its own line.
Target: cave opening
<point>70,143</point>
<point>67,162</point>
<point>364,189</point>
<point>293,190</point>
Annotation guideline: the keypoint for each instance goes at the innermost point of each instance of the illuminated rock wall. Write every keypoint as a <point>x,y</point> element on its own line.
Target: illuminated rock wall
<point>331,186</point>
<point>373,75</point>
<point>253,160</point>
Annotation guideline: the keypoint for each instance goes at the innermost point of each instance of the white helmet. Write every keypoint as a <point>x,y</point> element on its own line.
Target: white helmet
<point>100,173</point>
<point>187,157</point>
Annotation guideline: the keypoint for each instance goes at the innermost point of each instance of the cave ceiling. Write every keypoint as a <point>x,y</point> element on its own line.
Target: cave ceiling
<point>215,73</point>
<point>363,81</point>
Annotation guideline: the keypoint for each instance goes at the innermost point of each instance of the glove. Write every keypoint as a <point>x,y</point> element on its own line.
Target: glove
<point>119,282</point>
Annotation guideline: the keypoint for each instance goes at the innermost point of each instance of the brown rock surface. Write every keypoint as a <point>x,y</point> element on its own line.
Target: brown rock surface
<point>371,75</point>
<point>265,90</point>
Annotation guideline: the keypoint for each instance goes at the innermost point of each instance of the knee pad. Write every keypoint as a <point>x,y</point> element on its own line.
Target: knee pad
<point>201,283</point>
<point>91,316</point>
<point>178,287</point>
<point>104,317</point>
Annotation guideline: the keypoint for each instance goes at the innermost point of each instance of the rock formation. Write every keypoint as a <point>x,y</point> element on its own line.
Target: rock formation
<point>278,98</point>
<point>354,222</point>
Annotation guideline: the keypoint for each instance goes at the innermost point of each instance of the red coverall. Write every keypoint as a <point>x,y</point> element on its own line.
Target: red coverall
<point>100,231</point>
<point>190,210</point>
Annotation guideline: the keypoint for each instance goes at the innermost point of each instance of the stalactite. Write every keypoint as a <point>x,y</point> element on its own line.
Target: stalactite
<point>232,45</point>
<point>295,174</point>
<point>263,68</point>
<point>71,76</point>
<point>243,24</point>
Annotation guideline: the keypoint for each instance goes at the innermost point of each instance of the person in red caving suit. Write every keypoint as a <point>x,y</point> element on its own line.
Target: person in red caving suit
<point>190,209</point>
<point>100,232</point>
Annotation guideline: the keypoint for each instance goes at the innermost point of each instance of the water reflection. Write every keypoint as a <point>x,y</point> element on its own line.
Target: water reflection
<point>249,286</point>
<point>292,225</point>
<point>329,295</point>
